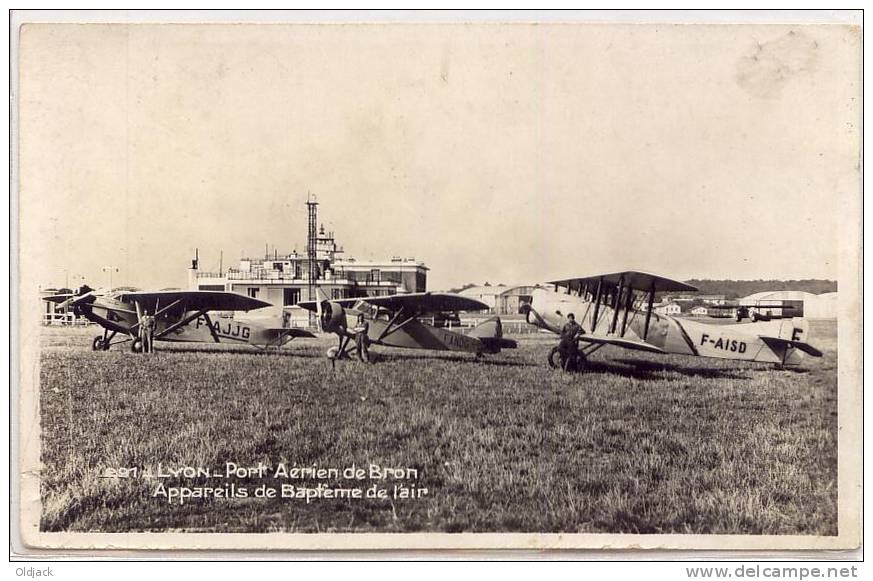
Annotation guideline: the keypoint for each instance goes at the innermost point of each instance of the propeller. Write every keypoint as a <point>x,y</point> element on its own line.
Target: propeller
<point>322,308</point>
<point>84,294</point>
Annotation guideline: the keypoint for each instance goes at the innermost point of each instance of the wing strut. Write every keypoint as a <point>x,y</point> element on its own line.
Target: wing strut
<point>211,328</point>
<point>392,328</point>
<point>387,328</point>
<point>140,312</point>
<point>597,304</point>
<point>181,323</point>
<point>649,310</point>
<point>587,310</point>
<point>616,304</point>
<point>628,303</point>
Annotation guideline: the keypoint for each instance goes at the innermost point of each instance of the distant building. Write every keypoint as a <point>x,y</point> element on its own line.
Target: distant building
<point>283,280</point>
<point>53,314</point>
<point>668,309</point>
<point>680,297</point>
<point>712,299</point>
<point>726,312</point>
<point>700,311</point>
<point>501,299</point>
<point>287,279</point>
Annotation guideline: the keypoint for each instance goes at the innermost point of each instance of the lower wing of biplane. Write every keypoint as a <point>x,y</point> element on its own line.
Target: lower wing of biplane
<point>617,309</point>
<point>395,321</point>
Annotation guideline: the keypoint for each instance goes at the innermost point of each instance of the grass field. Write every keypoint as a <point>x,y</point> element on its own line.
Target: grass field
<point>641,444</point>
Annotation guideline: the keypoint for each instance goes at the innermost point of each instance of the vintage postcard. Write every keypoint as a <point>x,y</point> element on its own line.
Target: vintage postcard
<point>521,284</point>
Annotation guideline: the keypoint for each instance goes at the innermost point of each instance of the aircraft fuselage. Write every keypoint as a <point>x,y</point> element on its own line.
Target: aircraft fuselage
<point>413,334</point>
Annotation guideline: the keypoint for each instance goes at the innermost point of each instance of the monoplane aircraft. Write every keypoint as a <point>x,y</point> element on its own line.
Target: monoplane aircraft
<point>179,315</point>
<point>395,321</point>
<point>617,309</point>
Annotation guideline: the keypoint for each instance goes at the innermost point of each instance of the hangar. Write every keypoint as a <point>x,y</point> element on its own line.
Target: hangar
<point>804,304</point>
<point>502,299</point>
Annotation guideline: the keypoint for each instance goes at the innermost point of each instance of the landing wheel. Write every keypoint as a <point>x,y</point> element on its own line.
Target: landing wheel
<point>555,358</point>
<point>578,361</point>
<point>97,345</point>
<point>136,345</point>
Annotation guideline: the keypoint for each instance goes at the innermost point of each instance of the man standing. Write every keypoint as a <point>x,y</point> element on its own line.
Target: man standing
<point>569,337</point>
<point>146,332</point>
<point>362,339</point>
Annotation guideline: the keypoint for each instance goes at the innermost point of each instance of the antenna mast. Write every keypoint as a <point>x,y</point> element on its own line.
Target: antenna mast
<point>311,243</point>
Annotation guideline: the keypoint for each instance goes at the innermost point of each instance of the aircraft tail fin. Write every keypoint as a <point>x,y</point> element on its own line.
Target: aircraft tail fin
<point>792,334</point>
<point>490,333</point>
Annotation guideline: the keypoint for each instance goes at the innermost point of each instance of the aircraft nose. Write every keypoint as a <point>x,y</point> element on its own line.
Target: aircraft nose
<point>527,311</point>
<point>530,315</point>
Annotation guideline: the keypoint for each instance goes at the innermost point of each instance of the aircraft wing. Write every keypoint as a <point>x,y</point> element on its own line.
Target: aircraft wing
<point>622,342</point>
<point>641,281</point>
<point>194,300</point>
<point>416,302</point>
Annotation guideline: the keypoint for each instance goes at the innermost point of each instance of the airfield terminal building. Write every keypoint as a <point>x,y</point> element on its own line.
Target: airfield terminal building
<point>286,279</point>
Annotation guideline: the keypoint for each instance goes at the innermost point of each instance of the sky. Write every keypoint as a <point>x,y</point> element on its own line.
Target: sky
<point>502,153</point>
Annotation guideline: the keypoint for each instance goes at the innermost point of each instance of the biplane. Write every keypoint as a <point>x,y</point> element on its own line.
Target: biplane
<point>178,315</point>
<point>759,311</point>
<point>618,309</point>
<point>396,321</point>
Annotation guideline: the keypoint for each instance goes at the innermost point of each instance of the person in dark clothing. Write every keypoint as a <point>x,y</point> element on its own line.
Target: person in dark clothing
<point>362,339</point>
<point>569,339</point>
<point>147,333</point>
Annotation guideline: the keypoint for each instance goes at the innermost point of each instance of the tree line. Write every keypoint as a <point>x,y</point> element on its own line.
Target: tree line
<point>734,289</point>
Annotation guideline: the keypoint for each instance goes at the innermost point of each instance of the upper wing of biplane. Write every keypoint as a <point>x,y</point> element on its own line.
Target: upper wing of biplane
<point>642,281</point>
<point>193,300</point>
<point>616,298</point>
<point>412,302</point>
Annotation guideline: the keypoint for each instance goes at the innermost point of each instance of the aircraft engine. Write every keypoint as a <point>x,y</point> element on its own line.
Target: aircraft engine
<point>333,317</point>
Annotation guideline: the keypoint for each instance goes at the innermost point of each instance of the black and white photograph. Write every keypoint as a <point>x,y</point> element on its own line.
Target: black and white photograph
<point>537,281</point>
